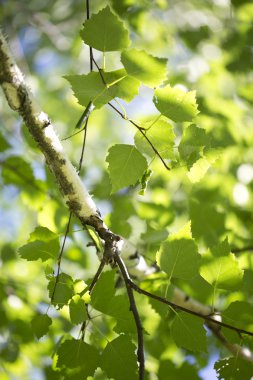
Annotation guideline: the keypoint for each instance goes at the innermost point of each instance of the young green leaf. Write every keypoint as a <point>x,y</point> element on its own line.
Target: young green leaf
<point>121,85</point>
<point>105,31</point>
<point>178,255</point>
<point>188,332</point>
<point>126,166</point>
<point>40,325</point>
<point>176,104</point>
<point>144,181</point>
<point>118,359</point>
<point>78,354</point>
<point>64,290</point>
<point>161,136</point>
<point>150,70</point>
<point>42,244</point>
<point>77,310</point>
<point>198,170</point>
<point>90,88</point>
<point>192,144</point>
<point>234,369</point>
<point>221,272</point>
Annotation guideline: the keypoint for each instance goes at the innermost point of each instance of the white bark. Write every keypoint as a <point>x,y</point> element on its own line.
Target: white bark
<point>74,192</point>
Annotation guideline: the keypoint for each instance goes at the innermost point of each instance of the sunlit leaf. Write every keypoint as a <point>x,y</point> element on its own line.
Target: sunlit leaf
<point>105,31</point>
<point>149,70</point>
<point>176,104</point>
<point>91,88</point>
<point>221,272</point>
<point>161,136</point>
<point>192,144</point>
<point>43,244</point>
<point>126,166</point>
<point>178,255</point>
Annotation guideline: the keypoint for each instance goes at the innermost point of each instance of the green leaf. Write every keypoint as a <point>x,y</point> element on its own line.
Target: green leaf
<point>150,70</point>
<point>40,325</point>
<point>161,136</point>
<point>178,255</point>
<point>118,359</point>
<point>206,222</point>
<point>198,170</point>
<point>17,171</point>
<point>126,166</point>
<point>118,308</point>
<point>77,310</point>
<point>176,104</point>
<point>76,353</point>
<point>188,332</point>
<point>221,272</point>
<point>42,244</point>
<point>91,88</point>
<point>185,372</point>
<point>144,181</point>
<point>121,85</point>
<point>192,144</point>
<point>103,291</point>
<point>239,314</point>
<point>4,145</point>
<point>104,300</point>
<point>105,31</point>
<point>64,290</point>
<point>233,369</point>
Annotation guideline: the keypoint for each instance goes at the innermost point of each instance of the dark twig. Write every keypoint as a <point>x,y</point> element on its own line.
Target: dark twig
<point>243,249</point>
<point>87,17</point>
<point>208,318</point>
<point>133,308</point>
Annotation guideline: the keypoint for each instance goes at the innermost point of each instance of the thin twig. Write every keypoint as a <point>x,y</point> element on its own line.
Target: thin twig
<point>133,308</point>
<point>175,306</point>
<point>90,48</point>
<point>142,132</point>
<point>243,249</point>
<point>131,121</point>
<point>91,286</point>
<point>60,256</point>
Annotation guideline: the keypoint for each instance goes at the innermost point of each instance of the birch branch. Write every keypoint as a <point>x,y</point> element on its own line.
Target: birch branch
<point>74,192</point>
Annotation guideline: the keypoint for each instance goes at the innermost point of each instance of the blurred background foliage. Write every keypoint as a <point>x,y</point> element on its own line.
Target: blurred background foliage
<point>209,47</point>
